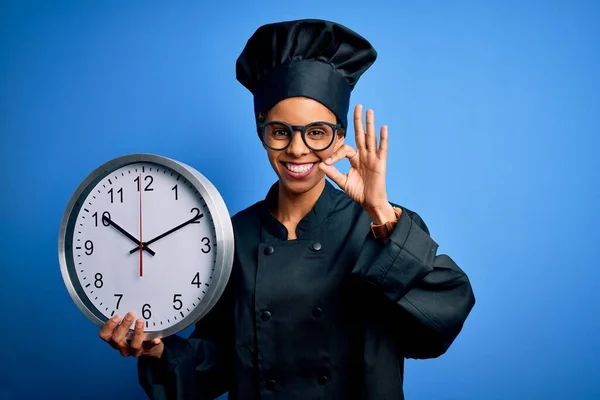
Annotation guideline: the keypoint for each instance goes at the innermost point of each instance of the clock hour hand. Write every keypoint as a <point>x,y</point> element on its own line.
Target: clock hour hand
<point>127,234</point>
<point>197,217</point>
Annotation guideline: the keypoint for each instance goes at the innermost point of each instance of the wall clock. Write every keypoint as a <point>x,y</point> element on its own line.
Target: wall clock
<point>147,234</point>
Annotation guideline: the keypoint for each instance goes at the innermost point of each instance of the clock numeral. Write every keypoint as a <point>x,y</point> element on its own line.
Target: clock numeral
<point>174,188</point>
<point>146,311</point>
<point>147,188</point>
<point>98,281</point>
<point>177,304</point>
<point>196,280</point>
<point>112,193</point>
<point>197,211</point>
<point>120,296</point>
<point>206,242</point>
<point>89,246</point>
<point>105,214</point>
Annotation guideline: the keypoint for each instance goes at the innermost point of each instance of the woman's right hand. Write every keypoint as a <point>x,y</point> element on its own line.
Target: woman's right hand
<point>115,334</point>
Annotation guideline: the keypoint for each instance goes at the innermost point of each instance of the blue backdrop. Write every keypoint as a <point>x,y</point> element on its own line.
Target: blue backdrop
<point>498,103</point>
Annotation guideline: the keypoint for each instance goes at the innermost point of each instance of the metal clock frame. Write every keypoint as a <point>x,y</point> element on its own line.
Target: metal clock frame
<point>222,225</point>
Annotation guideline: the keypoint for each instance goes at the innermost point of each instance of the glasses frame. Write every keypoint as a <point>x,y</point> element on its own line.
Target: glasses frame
<point>295,128</point>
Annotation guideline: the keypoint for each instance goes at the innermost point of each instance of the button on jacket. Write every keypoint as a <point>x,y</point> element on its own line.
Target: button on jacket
<point>330,315</point>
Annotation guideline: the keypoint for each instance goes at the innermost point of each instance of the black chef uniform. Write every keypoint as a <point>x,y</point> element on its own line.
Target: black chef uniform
<point>334,313</point>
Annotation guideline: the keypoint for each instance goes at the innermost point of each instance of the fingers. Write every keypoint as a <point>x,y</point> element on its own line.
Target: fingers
<point>119,336</point>
<point>345,151</point>
<point>358,128</point>
<point>115,334</point>
<point>371,139</point>
<point>120,333</point>
<point>108,328</point>
<point>151,346</point>
<point>335,175</point>
<point>152,343</point>
<point>368,140</point>
<point>137,340</point>
<point>383,145</point>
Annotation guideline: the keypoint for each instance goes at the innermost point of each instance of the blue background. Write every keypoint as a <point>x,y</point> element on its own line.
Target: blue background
<point>493,115</point>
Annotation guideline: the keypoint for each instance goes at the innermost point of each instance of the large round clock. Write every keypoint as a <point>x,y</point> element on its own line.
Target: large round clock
<point>147,234</point>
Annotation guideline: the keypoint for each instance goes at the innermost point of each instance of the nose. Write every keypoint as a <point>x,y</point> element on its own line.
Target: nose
<point>297,148</point>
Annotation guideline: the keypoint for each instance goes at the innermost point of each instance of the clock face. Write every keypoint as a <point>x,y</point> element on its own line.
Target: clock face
<point>142,238</point>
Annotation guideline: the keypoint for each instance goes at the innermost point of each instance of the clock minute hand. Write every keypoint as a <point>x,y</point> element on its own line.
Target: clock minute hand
<point>127,234</point>
<point>168,232</point>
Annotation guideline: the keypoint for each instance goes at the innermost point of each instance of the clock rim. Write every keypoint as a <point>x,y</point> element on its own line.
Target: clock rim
<point>222,225</point>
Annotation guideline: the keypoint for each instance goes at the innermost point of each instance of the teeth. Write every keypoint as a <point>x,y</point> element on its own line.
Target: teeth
<point>299,168</point>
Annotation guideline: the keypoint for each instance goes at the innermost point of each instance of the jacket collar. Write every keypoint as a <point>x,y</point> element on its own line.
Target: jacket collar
<point>311,220</point>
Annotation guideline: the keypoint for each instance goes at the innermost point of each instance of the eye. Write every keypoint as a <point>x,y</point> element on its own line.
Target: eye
<point>280,132</point>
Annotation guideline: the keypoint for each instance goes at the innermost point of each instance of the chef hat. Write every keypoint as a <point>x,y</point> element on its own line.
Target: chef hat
<point>312,58</point>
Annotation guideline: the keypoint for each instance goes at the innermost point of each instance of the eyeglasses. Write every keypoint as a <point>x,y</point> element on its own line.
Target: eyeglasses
<point>317,136</point>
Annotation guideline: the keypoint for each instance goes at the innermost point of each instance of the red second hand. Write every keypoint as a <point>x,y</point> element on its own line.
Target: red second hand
<point>140,189</point>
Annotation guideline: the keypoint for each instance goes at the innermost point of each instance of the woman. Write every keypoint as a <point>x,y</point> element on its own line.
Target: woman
<point>331,289</point>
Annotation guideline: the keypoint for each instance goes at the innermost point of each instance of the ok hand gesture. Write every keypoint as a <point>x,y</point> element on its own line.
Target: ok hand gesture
<point>365,181</point>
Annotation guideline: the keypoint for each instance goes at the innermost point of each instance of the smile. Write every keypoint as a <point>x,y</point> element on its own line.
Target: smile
<point>299,170</point>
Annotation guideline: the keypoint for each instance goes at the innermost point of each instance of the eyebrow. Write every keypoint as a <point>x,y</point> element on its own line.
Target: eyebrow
<point>308,123</point>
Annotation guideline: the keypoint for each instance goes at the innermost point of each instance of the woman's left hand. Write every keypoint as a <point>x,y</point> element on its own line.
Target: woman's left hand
<point>365,181</point>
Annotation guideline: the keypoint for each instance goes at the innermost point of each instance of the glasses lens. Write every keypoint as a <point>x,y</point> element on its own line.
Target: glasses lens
<point>319,136</point>
<point>276,135</point>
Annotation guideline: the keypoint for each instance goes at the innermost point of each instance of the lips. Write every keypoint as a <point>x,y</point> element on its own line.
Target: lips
<point>297,170</point>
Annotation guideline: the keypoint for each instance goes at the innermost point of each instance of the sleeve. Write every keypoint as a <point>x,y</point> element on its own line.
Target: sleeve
<point>198,367</point>
<point>428,297</point>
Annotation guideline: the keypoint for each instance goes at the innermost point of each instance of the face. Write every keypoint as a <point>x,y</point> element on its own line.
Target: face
<point>297,165</point>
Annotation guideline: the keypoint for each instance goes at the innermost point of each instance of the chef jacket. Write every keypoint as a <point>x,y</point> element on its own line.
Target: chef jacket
<point>329,315</point>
